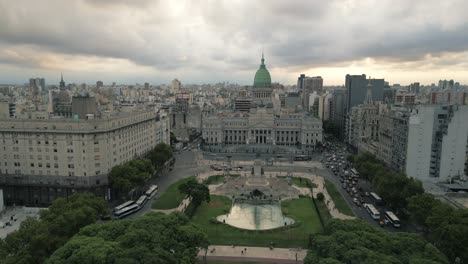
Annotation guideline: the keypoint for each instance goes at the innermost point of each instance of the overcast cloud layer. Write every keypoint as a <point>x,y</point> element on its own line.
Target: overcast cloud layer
<point>209,41</point>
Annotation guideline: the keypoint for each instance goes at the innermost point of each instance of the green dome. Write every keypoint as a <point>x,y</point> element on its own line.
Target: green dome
<point>262,76</point>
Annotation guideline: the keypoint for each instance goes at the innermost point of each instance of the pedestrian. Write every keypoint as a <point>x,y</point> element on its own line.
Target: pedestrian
<point>245,249</point>
<point>242,252</point>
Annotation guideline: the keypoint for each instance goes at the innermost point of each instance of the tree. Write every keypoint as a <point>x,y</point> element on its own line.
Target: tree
<point>356,241</point>
<point>121,178</point>
<point>320,196</point>
<point>420,208</point>
<point>173,138</point>
<point>152,238</point>
<point>37,239</point>
<point>198,191</point>
<point>125,177</point>
<point>160,154</point>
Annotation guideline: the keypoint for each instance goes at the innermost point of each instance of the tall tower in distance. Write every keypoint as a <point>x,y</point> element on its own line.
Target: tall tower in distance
<point>62,83</point>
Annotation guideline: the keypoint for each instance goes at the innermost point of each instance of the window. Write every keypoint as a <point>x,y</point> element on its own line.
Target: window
<point>32,164</point>
<point>56,165</point>
<point>71,166</point>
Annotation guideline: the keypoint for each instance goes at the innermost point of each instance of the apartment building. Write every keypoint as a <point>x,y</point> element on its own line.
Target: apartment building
<point>42,159</point>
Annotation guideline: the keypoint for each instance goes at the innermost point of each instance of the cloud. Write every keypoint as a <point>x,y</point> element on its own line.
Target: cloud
<point>201,37</point>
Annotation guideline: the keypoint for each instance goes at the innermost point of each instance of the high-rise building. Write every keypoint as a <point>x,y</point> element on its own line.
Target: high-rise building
<point>356,90</point>
<point>99,84</point>
<point>300,81</point>
<point>437,142</point>
<point>414,88</point>
<point>338,110</point>
<point>146,86</point>
<point>176,86</point>
<point>310,85</point>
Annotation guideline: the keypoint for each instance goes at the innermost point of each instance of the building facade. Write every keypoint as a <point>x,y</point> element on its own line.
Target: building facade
<point>437,142</point>
<point>263,126</point>
<point>43,159</point>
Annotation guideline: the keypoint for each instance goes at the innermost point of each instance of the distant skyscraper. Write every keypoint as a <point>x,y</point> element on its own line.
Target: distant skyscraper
<point>38,83</point>
<point>146,85</point>
<point>176,85</point>
<point>356,90</point>
<point>99,84</point>
<point>300,81</point>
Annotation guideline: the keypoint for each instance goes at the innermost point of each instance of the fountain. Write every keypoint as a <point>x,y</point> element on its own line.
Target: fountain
<point>258,209</point>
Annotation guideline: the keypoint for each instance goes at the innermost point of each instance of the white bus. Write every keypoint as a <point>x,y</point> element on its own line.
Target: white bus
<point>141,201</point>
<point>151,192</point>
<point>374,213</point>
<point>354,171</point>
<point>122,206</point>
<point>126,211</point>
<point>392,218</point>
<point>377,200</point>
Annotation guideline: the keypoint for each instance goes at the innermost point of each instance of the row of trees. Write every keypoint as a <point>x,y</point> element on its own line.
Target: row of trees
<point>132,174</point>
<point>394,188</point>
<point>37,239</point>
<point>446,227</point>
<point>443,225</point>
<point>152,238</point>
<point>355,241</point>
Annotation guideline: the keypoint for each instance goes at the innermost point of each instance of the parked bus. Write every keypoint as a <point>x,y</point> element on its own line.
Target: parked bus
<point>354,172</point>
<point>141,201</point>
<point>151,192</point>
<point>377,200</point>
<point>126,211</point>
<point>373,212</point>
<point>122,206</point>
<point>392,218</point>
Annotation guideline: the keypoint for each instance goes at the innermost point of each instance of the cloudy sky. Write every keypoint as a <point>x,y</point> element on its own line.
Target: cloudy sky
<point>206,41</point>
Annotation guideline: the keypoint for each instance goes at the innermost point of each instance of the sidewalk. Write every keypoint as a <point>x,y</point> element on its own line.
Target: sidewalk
<point>259,254</point>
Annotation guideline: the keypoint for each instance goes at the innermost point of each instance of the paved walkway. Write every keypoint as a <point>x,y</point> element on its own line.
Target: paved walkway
<point>258,254</point>
<point>181,208</point>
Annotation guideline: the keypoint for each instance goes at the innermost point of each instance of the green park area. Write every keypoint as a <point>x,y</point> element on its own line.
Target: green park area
<point>340,203</point>
<point>301,210</point>
<point>172,197</point>
<point>303,182</point>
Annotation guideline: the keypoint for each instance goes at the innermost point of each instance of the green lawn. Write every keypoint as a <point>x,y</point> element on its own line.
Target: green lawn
<point>171,198</point>
<point>215,179</point>
<point>302,210</point>
<point>340,203</point>
<point>303,182</point>
<point>324,213</point>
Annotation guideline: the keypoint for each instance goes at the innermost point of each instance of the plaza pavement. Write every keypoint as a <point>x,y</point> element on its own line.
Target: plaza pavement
<point>258,254</point>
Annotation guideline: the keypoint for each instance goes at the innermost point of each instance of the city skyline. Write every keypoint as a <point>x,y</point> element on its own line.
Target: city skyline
<point>146,41</point>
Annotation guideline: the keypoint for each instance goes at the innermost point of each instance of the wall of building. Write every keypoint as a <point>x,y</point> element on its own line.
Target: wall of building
<point>420,137</point>
<point>45,159</point>
<point>454,146</point>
